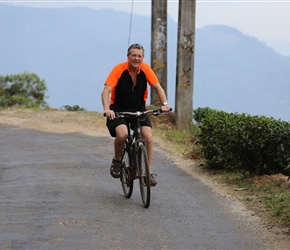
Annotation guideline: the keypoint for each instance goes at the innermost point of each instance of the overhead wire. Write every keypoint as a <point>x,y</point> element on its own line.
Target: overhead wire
<point>130,26</point>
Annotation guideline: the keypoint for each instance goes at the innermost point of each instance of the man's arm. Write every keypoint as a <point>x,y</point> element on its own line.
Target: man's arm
<point>162,97</point>
<point>106,102</point>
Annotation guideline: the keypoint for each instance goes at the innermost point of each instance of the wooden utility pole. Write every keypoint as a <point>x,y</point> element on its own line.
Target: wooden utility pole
<point>159,45</point>
<point>185,63</point>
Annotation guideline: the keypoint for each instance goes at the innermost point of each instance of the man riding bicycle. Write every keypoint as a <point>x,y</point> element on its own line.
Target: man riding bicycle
<point>126,90</point>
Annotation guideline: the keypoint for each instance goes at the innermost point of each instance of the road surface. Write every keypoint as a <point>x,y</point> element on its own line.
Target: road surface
<point>56,193</point>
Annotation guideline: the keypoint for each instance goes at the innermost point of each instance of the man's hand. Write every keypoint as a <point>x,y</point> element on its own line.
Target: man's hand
<point>110,114</point>
<point>165,108</point>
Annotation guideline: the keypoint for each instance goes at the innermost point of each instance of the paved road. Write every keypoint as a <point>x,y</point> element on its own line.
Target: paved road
<point>56,193</point>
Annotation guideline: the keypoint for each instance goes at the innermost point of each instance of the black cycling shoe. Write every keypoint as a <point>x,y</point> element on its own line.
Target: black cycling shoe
<point>115,168</point>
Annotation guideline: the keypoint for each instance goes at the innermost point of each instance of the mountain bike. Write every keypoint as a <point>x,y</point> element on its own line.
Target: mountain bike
<point>134,156</point>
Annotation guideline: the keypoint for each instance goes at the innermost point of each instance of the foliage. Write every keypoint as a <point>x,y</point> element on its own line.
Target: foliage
<point>254,144</point>
<point>267,196</point>
<point>22,90</point>
<point>201,113</point>
<point>72,108</point>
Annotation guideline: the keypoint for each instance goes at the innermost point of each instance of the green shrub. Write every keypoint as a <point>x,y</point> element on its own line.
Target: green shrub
<point>72,108</point>
<point>255,144</point>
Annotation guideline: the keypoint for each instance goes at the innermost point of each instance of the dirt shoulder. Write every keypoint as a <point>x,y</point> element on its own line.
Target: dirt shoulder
<point>93,124</point>
<point>56,121</point>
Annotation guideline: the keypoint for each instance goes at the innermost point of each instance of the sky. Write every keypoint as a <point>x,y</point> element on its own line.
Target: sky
<point>267,20</point>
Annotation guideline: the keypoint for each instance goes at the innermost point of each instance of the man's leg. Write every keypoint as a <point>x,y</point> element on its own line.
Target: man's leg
<point>121,136</point>
<point>118,129</point>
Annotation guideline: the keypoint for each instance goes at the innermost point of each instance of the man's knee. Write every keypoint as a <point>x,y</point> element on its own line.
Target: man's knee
<point>147,134</point>
<point>121,132</point>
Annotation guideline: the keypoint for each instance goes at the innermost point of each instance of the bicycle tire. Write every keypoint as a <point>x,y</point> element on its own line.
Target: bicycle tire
<point>144,175</point>
<point>126,176</point>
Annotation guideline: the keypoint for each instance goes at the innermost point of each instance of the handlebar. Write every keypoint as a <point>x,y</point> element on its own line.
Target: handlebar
<point>154,112</point>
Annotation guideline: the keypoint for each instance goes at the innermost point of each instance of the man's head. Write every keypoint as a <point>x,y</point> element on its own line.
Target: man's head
<point>135,55</point>
<point>135,46</point>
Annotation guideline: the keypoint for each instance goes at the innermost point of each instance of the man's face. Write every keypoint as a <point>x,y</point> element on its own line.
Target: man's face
<point>135,57</point>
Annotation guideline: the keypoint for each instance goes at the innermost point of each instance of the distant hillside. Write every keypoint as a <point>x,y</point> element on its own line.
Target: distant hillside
<point>235,72</point>
<point>74,49</point>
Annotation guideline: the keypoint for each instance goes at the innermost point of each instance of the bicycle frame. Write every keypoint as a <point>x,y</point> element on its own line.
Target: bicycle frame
<point>133,140</point>
<point>135,163</point>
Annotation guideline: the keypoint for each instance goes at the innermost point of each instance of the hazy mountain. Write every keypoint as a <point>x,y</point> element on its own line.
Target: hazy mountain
<point>235,72</point>
<point>74,49</point>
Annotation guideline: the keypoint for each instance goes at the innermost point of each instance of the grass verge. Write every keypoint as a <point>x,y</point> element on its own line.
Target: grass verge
<point>267,196</point>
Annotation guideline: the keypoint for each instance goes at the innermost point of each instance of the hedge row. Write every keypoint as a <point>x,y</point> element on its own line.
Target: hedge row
<point>255,144</point>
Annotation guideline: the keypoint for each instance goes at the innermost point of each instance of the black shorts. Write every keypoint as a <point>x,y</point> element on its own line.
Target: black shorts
<point>112,124</point>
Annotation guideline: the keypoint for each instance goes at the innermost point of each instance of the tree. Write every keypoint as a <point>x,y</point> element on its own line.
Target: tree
<point>159,45</point>
<point>25,89</point>
<point>185,63</point>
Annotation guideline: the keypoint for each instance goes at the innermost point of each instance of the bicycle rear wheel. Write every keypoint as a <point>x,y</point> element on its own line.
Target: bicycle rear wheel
<point>126,176</point>
<point>144,175</point>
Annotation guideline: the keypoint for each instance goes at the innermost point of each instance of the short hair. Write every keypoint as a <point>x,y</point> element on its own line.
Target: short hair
<point>135,46</point>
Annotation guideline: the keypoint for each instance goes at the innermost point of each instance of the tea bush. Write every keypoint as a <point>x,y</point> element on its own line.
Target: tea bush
<point>254,144</point>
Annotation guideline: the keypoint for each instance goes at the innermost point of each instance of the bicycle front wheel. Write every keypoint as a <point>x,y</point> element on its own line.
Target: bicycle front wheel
<point>144,175</point>
<point>126,176</point>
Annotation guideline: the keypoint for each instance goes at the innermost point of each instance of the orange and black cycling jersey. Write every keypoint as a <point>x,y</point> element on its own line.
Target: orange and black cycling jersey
<point>125,96</point>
